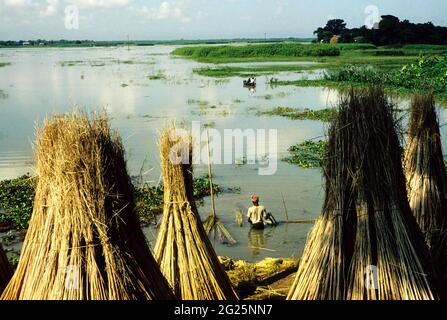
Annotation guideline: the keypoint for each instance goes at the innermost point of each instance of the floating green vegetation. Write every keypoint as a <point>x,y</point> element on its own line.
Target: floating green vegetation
<point>200,103</point>
<point>325,115</point>
<point>4,64</point>
<point>72,63</point>
<point>237,101</point>
<point>265,97</point>
<point>16,202</point>
<point>82,63</point>
<point>133,62</point>
<point>17,197</point>
<point>100,62</point>
<point>308,154</point>
<point>219,82</point>
<point>425,74</point>
<point>284,51</point>
<point>124,85</point>
<point>3,94</point>
<point>14,259</point>
<point>158,76</point>
<point>97,64</point>
<point>210,124</point>
<point>281,95</point>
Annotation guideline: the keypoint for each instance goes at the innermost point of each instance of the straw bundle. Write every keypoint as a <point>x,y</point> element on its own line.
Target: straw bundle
<point>427,178</point>
<point>84,240</point>
<point>183,249</point>
<point>5,270</point>
<point>424,168</point>
<point>366,221</point>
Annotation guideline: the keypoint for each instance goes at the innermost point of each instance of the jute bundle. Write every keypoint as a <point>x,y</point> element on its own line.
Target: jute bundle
<point>427,178</point>
<point>5,270</point>
<point>84,239</point>
<point>183,249</point>
<point>366,223</point>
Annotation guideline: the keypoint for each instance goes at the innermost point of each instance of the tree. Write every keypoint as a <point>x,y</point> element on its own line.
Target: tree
<point>389,28</point>
<point>390,31</point>
<point>334,27</point>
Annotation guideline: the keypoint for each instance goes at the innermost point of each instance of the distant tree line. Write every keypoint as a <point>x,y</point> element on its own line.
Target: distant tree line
<point>89,43</point>
<point>41,42</point>
<point>390,30</point>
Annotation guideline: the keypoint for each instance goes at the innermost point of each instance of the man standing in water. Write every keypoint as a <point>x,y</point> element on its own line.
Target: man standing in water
<point>256,214</point>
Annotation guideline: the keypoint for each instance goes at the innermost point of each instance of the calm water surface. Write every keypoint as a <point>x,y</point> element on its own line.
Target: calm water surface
<point>44,81</point>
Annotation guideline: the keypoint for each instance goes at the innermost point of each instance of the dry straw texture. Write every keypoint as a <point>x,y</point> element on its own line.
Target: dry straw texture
<point>183,250</point>
<point>84,240</point>
<point>366,220</point>
<point>427,178</point>
<point>5,270</point>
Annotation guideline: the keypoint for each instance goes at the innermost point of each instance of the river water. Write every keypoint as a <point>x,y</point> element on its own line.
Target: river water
<point>142,89</point>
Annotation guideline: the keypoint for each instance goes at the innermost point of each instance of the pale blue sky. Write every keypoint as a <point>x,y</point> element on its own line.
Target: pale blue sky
<point>197,19</point>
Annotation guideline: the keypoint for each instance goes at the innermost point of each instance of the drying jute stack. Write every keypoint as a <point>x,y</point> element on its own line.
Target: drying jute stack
<point>366,225</point>
<point>84,240</point>
<point>183,249</point>
<point>5,270</point>
<point>427,179</point>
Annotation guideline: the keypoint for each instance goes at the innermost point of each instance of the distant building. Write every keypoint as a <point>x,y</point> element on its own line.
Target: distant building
<point>26,43</point>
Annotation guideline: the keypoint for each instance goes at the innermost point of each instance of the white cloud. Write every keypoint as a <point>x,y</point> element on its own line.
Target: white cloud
<point>168,10</point>
<point>20,4</point>
<point>50,9</point>
<point>99,3</point>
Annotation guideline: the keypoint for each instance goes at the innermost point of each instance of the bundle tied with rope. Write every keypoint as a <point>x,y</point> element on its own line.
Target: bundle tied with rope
<point>366,226</point>
<point>84,240</point>
<point>427,179</point>
<point>183,249</point>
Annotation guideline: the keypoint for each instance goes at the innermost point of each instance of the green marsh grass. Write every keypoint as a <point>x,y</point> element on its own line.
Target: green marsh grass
<point>325,115</point>
<point>253,52</point>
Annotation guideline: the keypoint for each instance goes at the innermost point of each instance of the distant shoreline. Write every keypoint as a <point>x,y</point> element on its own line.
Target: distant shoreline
<point>90,43</point>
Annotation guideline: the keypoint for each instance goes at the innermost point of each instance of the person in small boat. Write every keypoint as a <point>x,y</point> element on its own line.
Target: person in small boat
<point>251,81</point>
<point>256,214</point>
